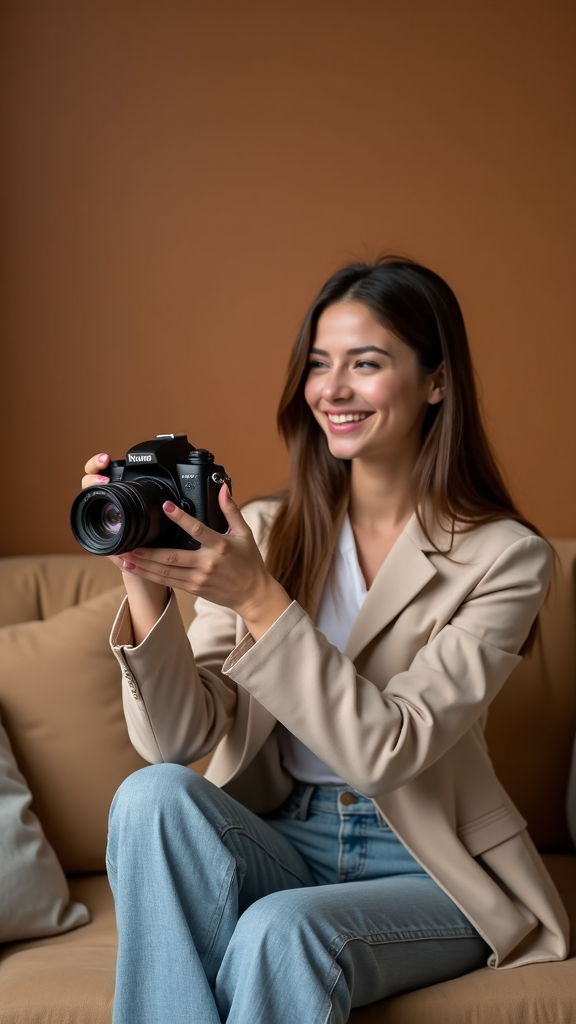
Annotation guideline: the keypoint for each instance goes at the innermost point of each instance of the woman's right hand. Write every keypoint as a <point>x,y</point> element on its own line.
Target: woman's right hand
<point>147,600</point>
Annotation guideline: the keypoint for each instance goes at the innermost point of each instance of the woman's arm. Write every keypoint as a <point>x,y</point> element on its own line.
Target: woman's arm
<point>378,737</point>
<point>177,702</point>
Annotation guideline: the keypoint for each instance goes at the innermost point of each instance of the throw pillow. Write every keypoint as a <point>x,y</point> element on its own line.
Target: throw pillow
<point>34,897</point>
<point>61,705</point>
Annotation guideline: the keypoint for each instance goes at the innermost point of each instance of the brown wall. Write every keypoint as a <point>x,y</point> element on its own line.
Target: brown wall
<point>178,178</point>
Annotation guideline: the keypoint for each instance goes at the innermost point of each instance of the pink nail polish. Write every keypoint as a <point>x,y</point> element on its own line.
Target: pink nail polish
<point>102,458</point>
<point>169,506</point>
<point>103,479</point>
<point>128,565</point>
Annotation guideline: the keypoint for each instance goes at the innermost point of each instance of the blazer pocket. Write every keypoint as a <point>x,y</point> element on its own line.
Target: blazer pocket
<point>491,829</point>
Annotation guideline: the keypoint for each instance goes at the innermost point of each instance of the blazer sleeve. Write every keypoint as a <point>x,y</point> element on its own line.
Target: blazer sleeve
<point>177,703</point>
<point>380,739</point>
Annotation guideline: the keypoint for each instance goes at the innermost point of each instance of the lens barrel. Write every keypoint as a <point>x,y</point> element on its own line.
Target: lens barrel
<point>117,517</point>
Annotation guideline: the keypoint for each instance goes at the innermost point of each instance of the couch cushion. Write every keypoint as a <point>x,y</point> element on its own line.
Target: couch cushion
<point>60,700</point>
<point>34,897</point>
<point>35,587</point>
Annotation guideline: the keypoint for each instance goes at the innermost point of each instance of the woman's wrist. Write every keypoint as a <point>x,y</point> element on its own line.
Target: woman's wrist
<point>147,603</point>
<point>266,605</point>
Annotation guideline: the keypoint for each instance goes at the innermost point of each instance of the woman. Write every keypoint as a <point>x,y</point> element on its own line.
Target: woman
<point>350,840</point>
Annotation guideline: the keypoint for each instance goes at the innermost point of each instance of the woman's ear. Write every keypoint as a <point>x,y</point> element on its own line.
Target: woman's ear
<point>437,388</point>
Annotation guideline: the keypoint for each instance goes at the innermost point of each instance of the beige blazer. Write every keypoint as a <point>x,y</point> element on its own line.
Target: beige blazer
<point>399,715</point>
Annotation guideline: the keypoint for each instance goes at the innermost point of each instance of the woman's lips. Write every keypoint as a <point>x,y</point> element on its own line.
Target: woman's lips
<point>344,423</point>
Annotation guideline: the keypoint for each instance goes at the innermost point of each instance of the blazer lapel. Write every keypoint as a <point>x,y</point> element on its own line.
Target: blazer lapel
<point>403,574</point>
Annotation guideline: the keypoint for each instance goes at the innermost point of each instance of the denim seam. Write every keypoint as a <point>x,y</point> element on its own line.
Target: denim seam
<point>218,912</point>
<point>267,851</point>
<point>411,935</point>
<point>338,974</point>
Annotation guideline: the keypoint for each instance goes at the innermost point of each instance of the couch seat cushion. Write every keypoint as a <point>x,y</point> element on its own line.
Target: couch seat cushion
<point>70,979</point>
<point>67,979</point>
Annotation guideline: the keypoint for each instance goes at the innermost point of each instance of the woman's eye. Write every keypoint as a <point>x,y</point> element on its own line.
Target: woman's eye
<point>364,364</point>
<point>315,364</point>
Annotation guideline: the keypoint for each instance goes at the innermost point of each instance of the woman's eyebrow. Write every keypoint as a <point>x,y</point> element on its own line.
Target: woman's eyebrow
<point>352,351</point>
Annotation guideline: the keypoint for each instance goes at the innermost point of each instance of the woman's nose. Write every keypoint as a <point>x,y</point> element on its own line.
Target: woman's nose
<point>336,387</point>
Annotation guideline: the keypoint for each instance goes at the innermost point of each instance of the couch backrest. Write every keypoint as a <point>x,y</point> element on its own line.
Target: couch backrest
<point>36,587</point>
<point>532,722</point>
<point>60,701</point>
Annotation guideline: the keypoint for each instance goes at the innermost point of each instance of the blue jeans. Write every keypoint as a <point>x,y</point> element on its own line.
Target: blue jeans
<point>224,916</point>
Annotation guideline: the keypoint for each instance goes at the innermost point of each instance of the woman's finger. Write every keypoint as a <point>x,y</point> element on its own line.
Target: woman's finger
<point>238,525</point>
<point>96,464</point>
<point>189,524</point>
<point>178,577</point>
<point>92,481</point>
<point>163,559</point>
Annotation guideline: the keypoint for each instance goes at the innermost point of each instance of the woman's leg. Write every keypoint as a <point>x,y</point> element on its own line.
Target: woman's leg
<point>184,861</point>
<point>308,956</point>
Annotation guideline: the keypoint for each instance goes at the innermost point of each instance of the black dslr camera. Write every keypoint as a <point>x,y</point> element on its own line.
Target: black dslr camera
<point>109,519</point>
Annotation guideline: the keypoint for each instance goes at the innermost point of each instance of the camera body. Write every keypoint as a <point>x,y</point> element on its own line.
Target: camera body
<point>110,519</point>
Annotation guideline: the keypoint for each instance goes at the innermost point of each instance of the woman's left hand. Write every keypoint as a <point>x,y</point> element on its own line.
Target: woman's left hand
<point>227,569</point>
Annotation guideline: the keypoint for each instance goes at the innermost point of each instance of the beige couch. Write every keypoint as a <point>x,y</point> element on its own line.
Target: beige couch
<point>60,704</point>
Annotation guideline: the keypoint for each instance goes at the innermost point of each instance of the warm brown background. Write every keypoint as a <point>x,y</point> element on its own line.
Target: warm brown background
<point>178,178</point>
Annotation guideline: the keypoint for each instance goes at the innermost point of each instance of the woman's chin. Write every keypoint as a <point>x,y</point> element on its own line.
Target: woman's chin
<point>342,449</point>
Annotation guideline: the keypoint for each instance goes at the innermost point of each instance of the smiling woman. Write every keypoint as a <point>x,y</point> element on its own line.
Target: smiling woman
<point>350,840</point>
<point>423,449</point>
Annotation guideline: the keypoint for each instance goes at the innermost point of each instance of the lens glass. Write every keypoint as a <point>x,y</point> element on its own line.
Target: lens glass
<point>110,522</point>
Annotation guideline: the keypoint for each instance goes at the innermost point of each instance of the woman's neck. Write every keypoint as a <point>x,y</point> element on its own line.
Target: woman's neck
<point>379,508</point>
<point>380,495</point>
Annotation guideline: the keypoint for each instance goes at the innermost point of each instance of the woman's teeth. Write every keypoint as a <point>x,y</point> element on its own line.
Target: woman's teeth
<point>347,417</point>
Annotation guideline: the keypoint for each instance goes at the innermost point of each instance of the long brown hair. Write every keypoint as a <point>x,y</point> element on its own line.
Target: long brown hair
<point>456,479</point>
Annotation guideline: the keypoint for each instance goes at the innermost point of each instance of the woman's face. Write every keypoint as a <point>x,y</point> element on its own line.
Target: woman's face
<point>365,387</point>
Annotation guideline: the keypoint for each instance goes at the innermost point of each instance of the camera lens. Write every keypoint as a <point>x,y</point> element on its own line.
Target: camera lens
<point>117,517</point>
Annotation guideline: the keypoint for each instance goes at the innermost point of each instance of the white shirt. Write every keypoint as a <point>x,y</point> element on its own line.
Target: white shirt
<point>337,612</point>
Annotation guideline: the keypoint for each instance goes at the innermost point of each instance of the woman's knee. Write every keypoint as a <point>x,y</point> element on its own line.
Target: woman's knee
<point>280,922</point>
<point>155,790</point>
<point>280,952</point>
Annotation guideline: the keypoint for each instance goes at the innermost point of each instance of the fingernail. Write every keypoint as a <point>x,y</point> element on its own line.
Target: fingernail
<point>103,479</point>
<point>128,565</point>
<point>169,506</point>
<point>102,458</point>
